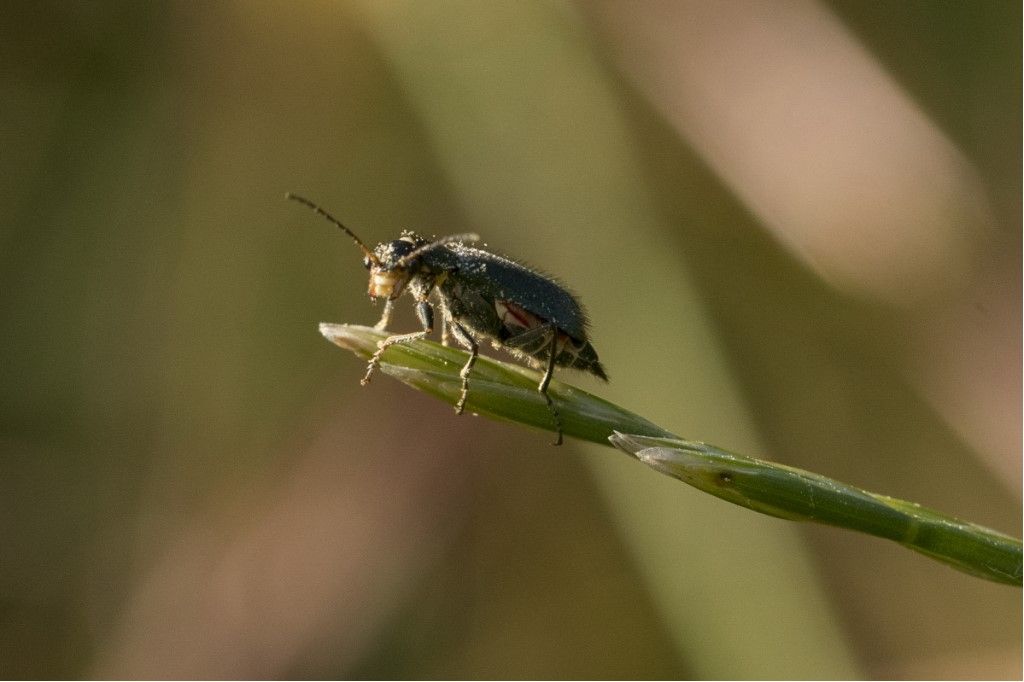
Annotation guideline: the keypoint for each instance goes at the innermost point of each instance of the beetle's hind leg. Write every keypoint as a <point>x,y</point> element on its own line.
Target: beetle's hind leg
<point>531,342</point>
<point>463,337</point>
<point>546,379</point>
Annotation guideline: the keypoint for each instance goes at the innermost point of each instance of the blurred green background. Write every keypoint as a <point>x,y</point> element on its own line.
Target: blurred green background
<point>796,227</point>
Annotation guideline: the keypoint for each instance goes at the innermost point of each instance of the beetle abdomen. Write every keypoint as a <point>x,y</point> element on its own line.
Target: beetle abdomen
<point>578,355</point>
<point>571,352</point>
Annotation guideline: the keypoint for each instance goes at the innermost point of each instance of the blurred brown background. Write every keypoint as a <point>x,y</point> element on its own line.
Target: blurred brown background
<point>796,226</point>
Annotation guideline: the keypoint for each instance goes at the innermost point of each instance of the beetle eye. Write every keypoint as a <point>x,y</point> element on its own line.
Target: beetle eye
<point>367,263</point>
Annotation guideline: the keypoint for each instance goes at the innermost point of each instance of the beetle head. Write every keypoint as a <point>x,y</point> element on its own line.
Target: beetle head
<point>389,266</point>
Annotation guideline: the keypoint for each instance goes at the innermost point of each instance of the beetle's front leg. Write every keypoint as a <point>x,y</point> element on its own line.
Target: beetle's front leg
<point>426,315</point>
<point>383,324</point>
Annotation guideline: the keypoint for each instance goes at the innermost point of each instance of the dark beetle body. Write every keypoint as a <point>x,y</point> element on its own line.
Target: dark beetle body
<point>498,299</point>
<point>482,296</point>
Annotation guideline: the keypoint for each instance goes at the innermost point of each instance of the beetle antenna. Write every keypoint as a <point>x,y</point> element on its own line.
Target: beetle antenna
<point>416,253</point>
<point>325,214</point>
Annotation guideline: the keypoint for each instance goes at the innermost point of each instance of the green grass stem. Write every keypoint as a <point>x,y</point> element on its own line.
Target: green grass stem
<point>507,391</point>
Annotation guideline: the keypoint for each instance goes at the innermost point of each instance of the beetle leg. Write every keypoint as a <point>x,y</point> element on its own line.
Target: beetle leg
<point>546,379</point>
<point>463,337</point>
<point>537,338</point>
<point>426,315</point>
<point>446,335</point>
<point>530,341</point>
<point>383,324</point>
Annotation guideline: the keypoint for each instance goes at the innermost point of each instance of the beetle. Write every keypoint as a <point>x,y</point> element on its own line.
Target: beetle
<point>482,297</point>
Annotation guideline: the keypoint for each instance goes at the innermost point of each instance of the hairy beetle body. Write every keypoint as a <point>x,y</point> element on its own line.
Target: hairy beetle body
<point>500,300</point>
<point>482,297</point>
